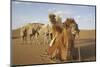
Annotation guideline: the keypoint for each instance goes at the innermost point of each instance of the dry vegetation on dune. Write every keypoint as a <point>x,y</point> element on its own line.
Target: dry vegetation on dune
<point>34,51</point>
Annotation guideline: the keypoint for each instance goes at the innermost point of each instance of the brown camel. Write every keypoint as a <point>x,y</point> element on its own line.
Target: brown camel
<point>71,24</point>
<point>61,40</point>
<point>62,43</point>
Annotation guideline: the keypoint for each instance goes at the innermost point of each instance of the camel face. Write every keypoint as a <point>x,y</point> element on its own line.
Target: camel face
<point>70,23</point>
<point>75,30</point>
<point>52,18</point>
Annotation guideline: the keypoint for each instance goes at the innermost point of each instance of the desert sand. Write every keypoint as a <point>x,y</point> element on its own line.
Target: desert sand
<point>34,52</point>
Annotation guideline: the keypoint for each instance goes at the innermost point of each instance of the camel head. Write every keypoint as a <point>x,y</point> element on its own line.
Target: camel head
<point>52,18</point>
<point>71,23</point>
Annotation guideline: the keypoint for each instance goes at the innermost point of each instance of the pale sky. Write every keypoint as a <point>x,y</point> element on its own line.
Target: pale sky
<point>30,12</point>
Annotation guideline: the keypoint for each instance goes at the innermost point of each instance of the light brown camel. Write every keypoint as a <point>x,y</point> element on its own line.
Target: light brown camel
<point>71,24</point>
<point>62,41</point>
<point>59,47</point>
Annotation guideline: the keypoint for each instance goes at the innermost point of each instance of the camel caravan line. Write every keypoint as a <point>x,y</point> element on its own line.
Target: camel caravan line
<point>61,36</point>
<point>29,31</point>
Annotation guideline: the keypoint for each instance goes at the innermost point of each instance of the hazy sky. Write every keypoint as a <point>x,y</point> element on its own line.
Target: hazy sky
<point>29,12</point>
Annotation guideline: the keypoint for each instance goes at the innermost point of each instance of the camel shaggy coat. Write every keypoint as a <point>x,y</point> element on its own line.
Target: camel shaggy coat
<point>61,43</point>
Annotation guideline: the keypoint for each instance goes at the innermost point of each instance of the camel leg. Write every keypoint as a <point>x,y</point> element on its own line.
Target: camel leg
<point>79,54</point>
<point>63,55</point>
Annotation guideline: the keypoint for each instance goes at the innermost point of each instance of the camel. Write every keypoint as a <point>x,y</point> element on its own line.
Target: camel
<point>58,47</point>
<point>28,32</point>
<point>71,24</point>
<point>32,32</point>
<point>62,42</point>
<point>23,33</point>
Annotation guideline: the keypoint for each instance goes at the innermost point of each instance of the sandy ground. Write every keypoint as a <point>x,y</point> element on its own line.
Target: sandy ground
<point>34,52</point>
